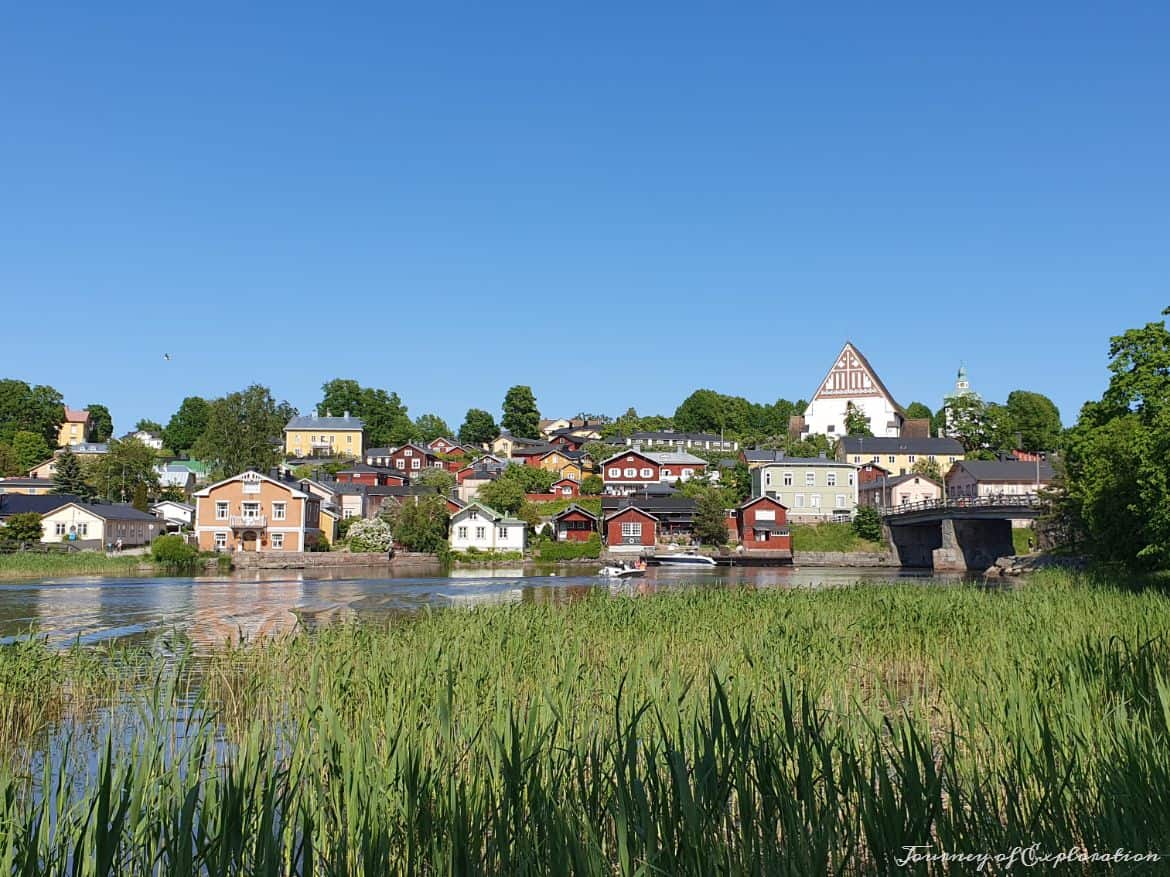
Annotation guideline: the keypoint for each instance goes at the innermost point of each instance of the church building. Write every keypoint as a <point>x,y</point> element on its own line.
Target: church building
<point>851,381</point>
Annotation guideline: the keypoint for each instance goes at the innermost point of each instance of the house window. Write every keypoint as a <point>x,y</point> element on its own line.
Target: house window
<point>251,509</point>
<point>631,529</point>
<point>877,458</point>
<point>687,473</point>
<point>831,479</point>
<point>832,427</point>
<point>567,491</point>
<point>892,458</point>
<point>416,463</point>
<point>279,511</point>
<point>857,458</point>
<point>931,458</point>
<point>667,472</point>
<point>480,532</point>
<point>83,529</point>
<point>462,532</point>
<point>408,453</point>
<point>647,472</point>
<point>221,511</point>
<point>631,472</point>
<point>349,439</point>
<point>840,500</point>
<point>950,459</point>
<point>278,541</point>
<point>615,472</point>
<point>810,479</point>
<point>767,479</point>
<point>220,541</point>
<point>815,501</point>
<point>502,533</point>
<point>910,458</point>
<point>787,479</point>
<point>59,528</point>
<point>473,515</point>
<point>800,500</point>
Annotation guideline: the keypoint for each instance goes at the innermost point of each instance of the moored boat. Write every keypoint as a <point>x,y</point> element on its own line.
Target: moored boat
<point>694,560</point>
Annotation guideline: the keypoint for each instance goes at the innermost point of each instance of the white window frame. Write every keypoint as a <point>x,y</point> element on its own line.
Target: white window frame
<point>222,509</point>
<point>830,479</point>
<point>787,479</point>
<point>631,529</point>
<point>219,541</point>
<point>280,511</point>
<point>646,472</point>
<point>615,472</point>
<point>461,532</point>
<point>799,501</point>
<point>502,533</point>
<point>841,500</point>
<point>278,541</point>
<point>481,532</point>
<point>810,479</point>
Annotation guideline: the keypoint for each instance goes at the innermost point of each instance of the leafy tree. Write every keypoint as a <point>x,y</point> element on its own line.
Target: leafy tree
<point>422,525</point>
<point>145,425</point>
<point>529,514</point>
<point>22,529</point>
<point>711,516</point>
<point>30,449</point>
<point>101,423</point>
<point>440,479</point>
<point>128,465</point>
<point>479,427</point>
<point>371,534</point>
<point>867,523</point>
<point>340,395</point>
<point>918,411</point>
<point>384,415</point>
<point>430,427</point>
<point>141,501</point>
<point>1036,419</point>
<point>243,431</point>
<point>506,493</point>
<point>1117,487</point>
<point>521,416</point>
<point>631,422</point>
<point>173,551</point>
<point>187,424</point>
<point>929,468</point>
<point>592,485</point>
<point>856,421</point>
<point>978,425</point>
<point>38,409</point>
<point>738,481</point>
<point>68,476</point>
<point>598,451</point>
<point>9,465</point>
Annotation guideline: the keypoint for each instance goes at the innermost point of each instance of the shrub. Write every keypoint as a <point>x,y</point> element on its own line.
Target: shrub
<point>173,551</point>
<point>22,529</point>
<point>592,485</point>
<point>867,523</point>
<point>590,549</point>
<point>370,535</point>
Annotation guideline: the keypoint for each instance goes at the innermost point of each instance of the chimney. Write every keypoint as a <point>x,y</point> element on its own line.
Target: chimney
<point>347,415</point>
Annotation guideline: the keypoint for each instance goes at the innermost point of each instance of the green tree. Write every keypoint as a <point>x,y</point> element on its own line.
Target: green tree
<point>22,529</point>
<point>187,424</point>
<point>598,451</point>
<point>927,467</point>
<point>141,501</point>
<point>384,415</point>
<point>592,485</point>
<point>243,431</point>
<point>68,476</point>
<point>101,423</point>
<point>521,416</point>
<point>918,411</point>
<point>9,465</point>
<point>430,427</point>
<point>437,478</point>
<point>25,408</point>
<point>507,492</point>
<point>856,421</point>
<point>738,481</point>
<point>118,474</point>
<point>978,425</point>
<point>30,449</point>
<point>711,516</point>
<point>867,523</point>
<point>479,427</point>
<point>339,396</point>
<point>1116,482</point>
<point>1035,418</point>
<point>422,525</point>
<point>144,425</point>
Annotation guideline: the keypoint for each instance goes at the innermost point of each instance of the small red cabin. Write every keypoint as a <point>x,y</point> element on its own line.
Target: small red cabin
<point>631,527</point>
<point>763,524</point>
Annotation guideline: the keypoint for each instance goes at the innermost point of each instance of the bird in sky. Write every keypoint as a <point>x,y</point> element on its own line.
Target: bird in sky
<point>167,357</point>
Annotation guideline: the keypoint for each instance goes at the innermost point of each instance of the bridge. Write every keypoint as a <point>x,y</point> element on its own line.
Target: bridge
<point>962,533</point>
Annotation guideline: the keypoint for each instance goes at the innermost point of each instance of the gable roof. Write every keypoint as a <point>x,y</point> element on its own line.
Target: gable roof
<point>491,514</point>
<point>292,487</point>
<point>176,504</point>
<point>74,415</point>
<point>312,421</point>
<point>771,499</point>
<point>573,507</point>
<point>20,503</point>
<point>109,511</point>
<point>631,508</point>
<point>1005,470</point>
<point>895,480</point>
<point>849,347</point>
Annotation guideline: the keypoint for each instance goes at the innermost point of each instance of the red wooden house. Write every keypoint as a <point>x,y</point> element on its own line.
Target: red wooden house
<point>630,470</point>
<point>443,445</point>
<point>630,529</point>
<point>413,458</point>
<point>575,524</point>
<point>372,476</point>
<point>763,524</point>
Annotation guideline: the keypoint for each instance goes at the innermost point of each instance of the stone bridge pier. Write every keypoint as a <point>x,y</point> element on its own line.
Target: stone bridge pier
<point>952,544</point>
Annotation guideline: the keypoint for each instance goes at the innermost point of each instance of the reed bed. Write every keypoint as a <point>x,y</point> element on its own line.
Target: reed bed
<point>35,564</point>
<point>734,732</point>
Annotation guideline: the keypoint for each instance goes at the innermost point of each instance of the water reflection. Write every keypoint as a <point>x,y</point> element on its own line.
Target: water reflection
<point>211,610</point>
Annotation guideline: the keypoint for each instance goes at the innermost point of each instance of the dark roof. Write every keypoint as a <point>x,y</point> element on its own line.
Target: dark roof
<point>756,499</point>
<point>1005,470</point>
<point>653,505</point>
<point>780,459</point>
<point>867,444</point>
<point>312,421</point>
<point>115,511</point>
<point>379,452</point>
<point>573,507</point>
<point>19,503</point>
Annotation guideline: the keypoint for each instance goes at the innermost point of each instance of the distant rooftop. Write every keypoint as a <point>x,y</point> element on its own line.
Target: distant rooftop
<point>312,421</point>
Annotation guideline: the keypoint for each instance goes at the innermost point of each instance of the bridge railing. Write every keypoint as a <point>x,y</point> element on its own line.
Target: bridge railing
<point>999,500</point>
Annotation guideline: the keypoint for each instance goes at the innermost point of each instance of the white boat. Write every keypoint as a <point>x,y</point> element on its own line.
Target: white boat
<point>683,560</point>
<point>621,572</point>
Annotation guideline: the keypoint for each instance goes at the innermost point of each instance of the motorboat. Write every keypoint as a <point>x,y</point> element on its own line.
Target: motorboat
<point>683,559</point>
<point>625,571</point>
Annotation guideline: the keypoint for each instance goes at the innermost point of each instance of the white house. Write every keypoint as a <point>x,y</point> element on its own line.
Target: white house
<point>148,438</point>
<point>100,524</point>
<point>477,526</point>
<point>851,380</point>
<point>176,515</point>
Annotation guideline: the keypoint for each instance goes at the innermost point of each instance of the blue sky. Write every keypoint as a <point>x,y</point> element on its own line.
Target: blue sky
<point>613,203</point>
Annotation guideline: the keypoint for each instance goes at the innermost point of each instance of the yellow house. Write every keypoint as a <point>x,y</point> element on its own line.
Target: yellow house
<point>308,435</point>
<point>898,456</point>
<point>74,429</point>
<point>565,467</point>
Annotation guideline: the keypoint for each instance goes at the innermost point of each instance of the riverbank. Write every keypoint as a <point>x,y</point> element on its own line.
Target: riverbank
<point>535,736</point>
<point>32,565</point>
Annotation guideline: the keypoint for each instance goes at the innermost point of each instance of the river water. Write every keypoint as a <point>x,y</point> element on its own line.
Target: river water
<point>210,610</point>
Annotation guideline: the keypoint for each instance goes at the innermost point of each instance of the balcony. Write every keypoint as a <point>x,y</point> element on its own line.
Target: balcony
<point>248,522</point>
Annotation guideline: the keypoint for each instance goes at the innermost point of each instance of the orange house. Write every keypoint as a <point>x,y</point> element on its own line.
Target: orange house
<point>253,512</point>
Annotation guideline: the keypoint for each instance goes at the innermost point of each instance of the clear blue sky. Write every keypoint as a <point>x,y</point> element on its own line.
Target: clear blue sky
<point>614,203</point>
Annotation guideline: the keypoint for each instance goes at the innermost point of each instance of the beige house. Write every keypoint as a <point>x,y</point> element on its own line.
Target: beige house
<point>813,489</point>
<point>74,429</point>
<point>100,525</point>
<point>888,492</point>
<point>254,512</point>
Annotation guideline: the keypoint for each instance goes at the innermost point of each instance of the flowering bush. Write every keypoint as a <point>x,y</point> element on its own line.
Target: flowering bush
<point>370,535</point>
